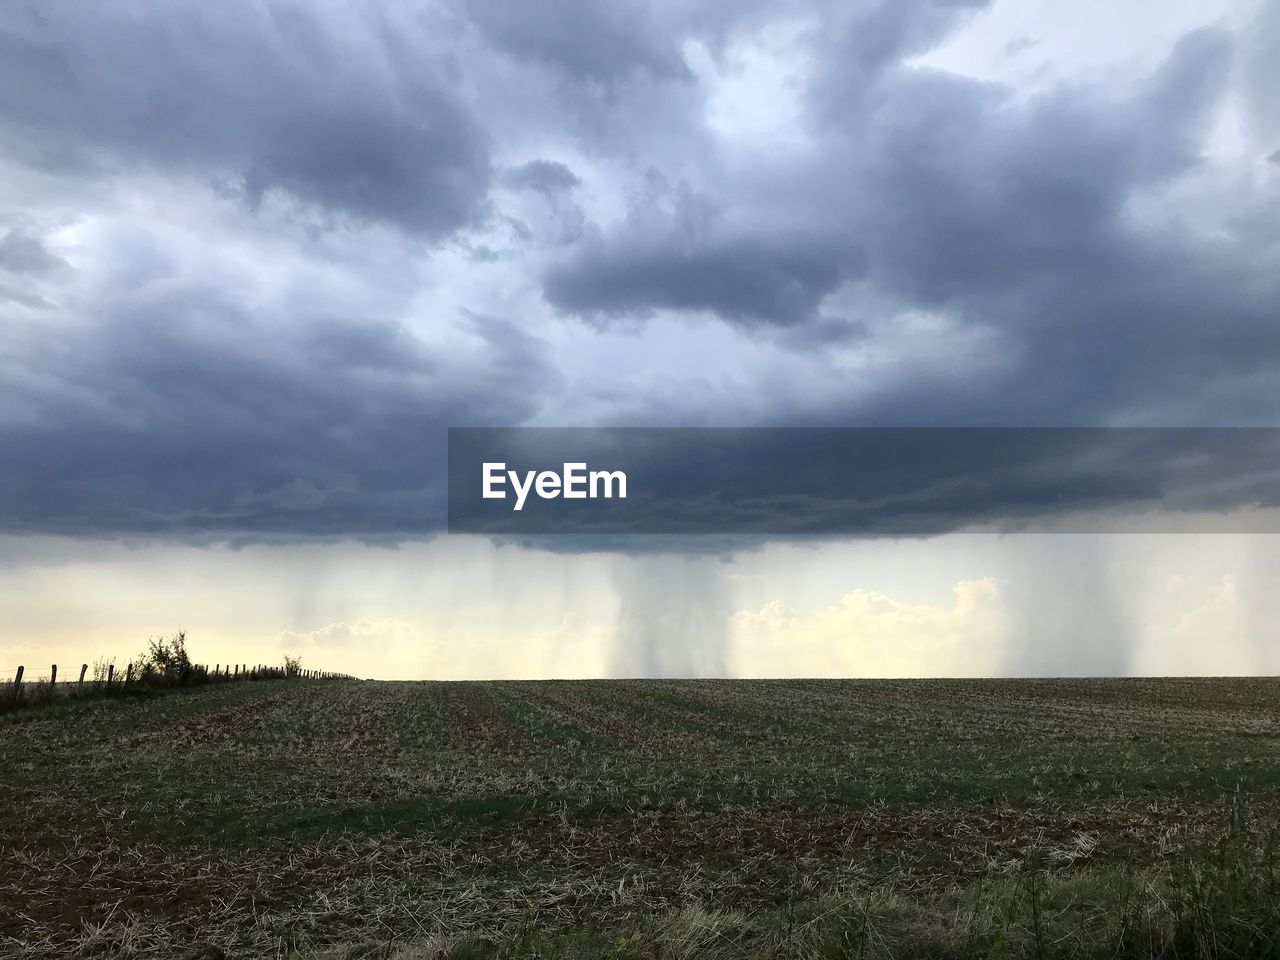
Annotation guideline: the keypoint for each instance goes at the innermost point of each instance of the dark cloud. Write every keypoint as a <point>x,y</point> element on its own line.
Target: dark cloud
<point>744,280</point>
<point>1019,45</point>
<point>1020,219</point>
<point>967,195</point>
<point>675,253</point>
<point>1069,253</point>
<point>23,253</point>
<point>1012,218</point>
<point>188,416</point>
<point>544,176</point>
<point>597,43</point>
<point>862,42</point>
<point>331,108</point>
<point>21,297</point>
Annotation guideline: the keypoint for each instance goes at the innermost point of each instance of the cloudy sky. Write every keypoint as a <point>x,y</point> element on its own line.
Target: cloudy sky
<point>255,257</point>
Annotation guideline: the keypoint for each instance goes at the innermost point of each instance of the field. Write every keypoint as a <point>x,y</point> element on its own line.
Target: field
<point>641,818</point>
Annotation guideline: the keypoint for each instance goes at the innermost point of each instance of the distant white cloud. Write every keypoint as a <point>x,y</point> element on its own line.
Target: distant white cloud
<point>868,634</point>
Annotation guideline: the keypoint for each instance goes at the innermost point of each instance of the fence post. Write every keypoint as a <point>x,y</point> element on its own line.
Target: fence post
<point>53,676</point>
<point>111,673</point>
<point>128,676</point>
<point>17,681</point>
<point>83,669</point>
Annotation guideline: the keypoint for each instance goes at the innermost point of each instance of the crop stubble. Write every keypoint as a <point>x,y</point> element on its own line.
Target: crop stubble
<point>298,812</point>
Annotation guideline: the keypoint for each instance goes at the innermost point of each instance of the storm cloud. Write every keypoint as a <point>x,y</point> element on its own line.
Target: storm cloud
<point>189,415</point>
<point>256,257</point>
<point>339,108</point>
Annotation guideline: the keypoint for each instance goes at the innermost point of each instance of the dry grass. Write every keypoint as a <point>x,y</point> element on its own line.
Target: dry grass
<point>647,818</point>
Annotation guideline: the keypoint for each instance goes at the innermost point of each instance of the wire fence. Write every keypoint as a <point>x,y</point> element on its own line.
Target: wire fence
<point>18,687</point>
